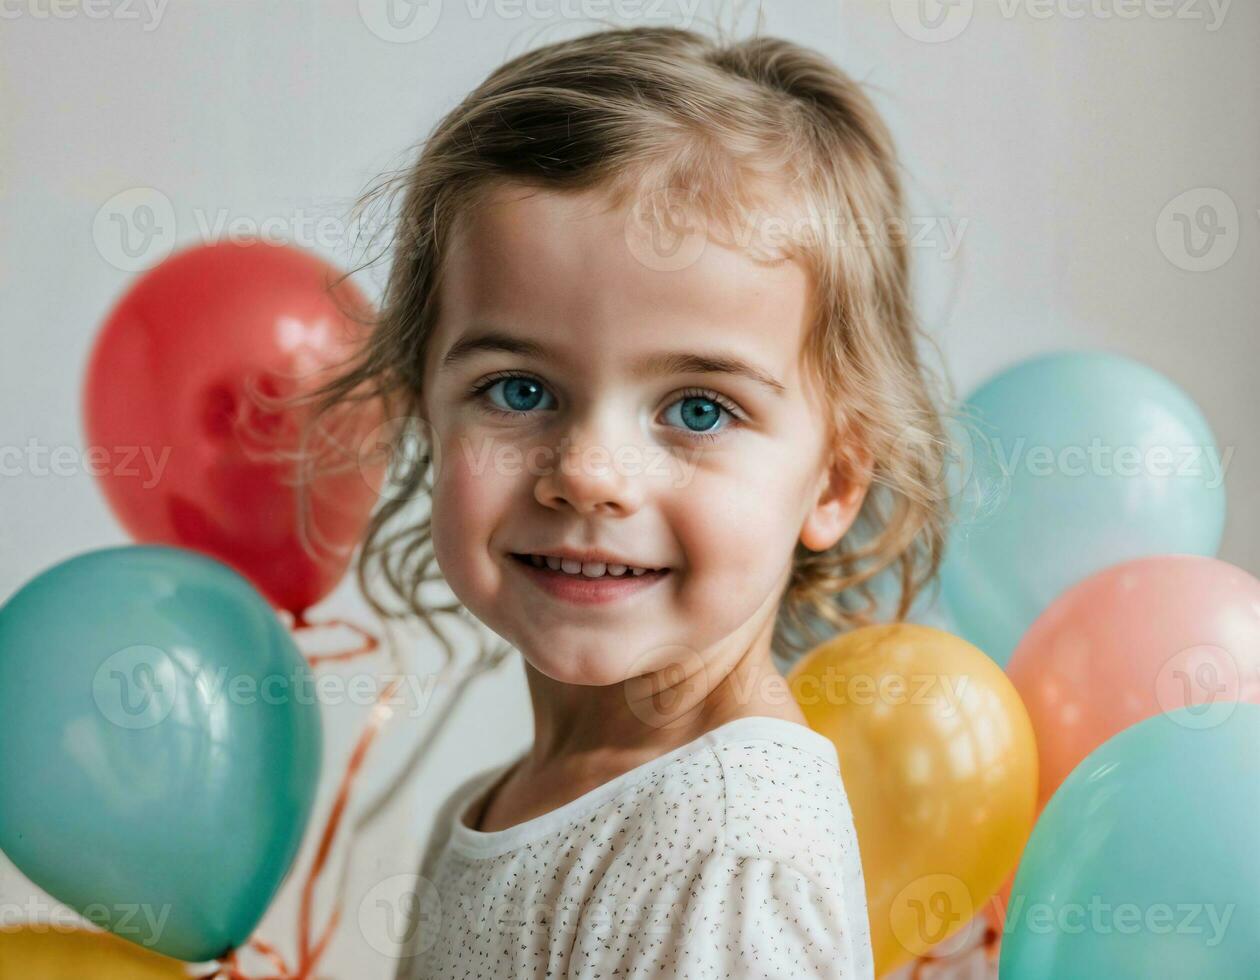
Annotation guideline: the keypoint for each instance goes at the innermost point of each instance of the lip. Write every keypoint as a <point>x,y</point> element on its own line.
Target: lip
<point>587,556</point>
<point>583,591</point>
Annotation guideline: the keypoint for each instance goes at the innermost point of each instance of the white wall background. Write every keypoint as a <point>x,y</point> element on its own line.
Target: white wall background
<point>1052,141</point>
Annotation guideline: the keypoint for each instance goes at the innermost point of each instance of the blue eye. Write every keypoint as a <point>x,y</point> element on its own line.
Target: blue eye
<point>700,414</point>
<point>520,393</point>
<point>699,411</point>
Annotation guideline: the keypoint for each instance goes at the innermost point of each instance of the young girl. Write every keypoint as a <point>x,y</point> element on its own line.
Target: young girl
<point>649,308</point>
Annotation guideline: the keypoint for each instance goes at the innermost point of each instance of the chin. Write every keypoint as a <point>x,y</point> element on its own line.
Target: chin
<point>580,669</point>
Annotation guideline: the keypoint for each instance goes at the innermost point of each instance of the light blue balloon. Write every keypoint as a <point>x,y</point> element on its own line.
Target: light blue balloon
<point>1144,863</point>
<point>1076,461</point>
<point>160,746</point>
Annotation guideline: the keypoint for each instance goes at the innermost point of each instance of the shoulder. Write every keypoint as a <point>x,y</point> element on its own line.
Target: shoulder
<point>790,864</point>
<point>450,810</point>
<point>784,803</point>
<point>748,851</point>
<point>757,797</point>
<point>791,859</point>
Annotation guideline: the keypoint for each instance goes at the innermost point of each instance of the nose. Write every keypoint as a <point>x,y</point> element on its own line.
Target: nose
<point>590,471</point>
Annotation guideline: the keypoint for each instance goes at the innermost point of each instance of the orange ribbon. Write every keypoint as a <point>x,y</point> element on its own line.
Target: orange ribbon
<point>309,955</point>
<point>989,943</point>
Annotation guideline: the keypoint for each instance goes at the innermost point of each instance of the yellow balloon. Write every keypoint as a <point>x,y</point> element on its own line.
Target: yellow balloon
<point>940,766</point>
<point>48,951</point>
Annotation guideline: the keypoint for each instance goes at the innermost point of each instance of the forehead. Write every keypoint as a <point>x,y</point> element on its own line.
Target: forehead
<point>563,268</point>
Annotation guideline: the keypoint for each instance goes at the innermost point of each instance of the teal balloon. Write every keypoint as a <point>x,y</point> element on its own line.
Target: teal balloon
<point>1144,863</point>
<point>160,746</point>
<point>1065,465</point>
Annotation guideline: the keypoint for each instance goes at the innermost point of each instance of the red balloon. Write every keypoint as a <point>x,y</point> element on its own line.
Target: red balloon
<point>185,452</point>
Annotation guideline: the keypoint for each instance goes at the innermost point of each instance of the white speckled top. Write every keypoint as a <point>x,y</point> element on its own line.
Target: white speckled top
<point>733,856</point>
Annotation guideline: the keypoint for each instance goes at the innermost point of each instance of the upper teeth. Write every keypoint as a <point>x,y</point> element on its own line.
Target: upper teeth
<point>590,569</point>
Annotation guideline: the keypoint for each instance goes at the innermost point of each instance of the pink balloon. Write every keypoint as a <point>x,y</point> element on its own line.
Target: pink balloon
<point>1141,637</point>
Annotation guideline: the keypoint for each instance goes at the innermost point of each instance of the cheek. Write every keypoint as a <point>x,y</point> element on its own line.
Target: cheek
<point>738,534</point>
<point>467,499</point>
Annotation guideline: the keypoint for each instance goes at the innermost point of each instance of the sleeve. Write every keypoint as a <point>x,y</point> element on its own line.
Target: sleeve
<point>757,918</point>
<point>447,813</point>
<point>776,920</point>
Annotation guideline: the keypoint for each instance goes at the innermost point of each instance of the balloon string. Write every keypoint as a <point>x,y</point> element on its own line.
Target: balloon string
<point>370,641</point>
<point>308,955</point>
<point>271,953</point>
<point>989,943</point>
<point>227,968</point>
<point>992,947</point>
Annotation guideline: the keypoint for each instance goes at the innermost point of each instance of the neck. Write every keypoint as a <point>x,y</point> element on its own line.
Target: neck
<point>619,725</point>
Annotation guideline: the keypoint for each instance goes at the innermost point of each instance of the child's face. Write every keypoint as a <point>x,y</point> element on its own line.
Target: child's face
<point>602,456</point>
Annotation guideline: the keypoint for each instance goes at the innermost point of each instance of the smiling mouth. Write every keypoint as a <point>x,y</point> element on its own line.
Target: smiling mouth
<point>588,571</point>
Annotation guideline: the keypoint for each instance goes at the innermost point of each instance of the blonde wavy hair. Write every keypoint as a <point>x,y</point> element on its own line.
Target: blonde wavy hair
<point>728,127</point>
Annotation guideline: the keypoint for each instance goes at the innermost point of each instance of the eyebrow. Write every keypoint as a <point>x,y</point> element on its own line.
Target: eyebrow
<point>662,362</point>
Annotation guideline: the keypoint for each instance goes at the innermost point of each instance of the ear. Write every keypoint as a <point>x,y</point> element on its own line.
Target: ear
<point>839,492</point>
